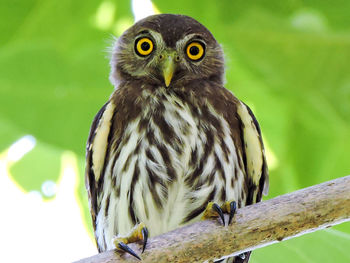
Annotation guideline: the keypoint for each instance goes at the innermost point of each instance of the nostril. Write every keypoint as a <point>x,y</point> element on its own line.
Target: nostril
<point>160,56</point>
<point>177,58</point>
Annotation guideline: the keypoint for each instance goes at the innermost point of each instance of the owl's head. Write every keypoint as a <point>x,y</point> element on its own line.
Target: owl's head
<point>167,50</point>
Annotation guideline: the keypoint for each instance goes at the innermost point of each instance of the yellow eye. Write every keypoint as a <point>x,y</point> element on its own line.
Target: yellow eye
<point>195,50</point>
<point>143,46</point>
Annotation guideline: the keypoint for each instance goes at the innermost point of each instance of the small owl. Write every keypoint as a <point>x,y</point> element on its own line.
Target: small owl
<point>171,146</point>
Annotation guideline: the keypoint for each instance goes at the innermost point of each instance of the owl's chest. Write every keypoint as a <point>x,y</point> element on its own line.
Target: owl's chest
<point>170,162</point>
<point>171,134</point>
<point>183,160</point>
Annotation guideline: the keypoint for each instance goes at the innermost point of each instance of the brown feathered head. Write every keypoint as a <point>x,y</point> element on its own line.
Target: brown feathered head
<point>167,50</point>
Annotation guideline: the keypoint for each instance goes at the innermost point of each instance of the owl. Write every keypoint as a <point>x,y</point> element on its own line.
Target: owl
<point>171,146</point>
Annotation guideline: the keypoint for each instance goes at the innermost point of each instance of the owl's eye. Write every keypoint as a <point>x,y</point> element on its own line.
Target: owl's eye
<point>195,50</point>
<point>143,46</point>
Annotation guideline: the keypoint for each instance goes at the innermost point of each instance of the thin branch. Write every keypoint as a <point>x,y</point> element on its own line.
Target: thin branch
<point>255,226</point>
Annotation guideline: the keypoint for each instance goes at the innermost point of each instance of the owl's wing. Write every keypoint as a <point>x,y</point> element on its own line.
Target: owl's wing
<point>253,154</point>
<point>96,150</point>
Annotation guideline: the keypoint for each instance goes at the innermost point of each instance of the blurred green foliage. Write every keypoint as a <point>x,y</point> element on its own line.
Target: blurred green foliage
<point>289,60</point>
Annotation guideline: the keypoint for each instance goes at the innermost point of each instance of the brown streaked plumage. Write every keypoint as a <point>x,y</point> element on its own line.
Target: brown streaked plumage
<point>171,138</point>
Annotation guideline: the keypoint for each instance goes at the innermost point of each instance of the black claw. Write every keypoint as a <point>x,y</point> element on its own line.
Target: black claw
<point>127,249</point>
<point>145,237</point>
<point>242,256</point>
<point>233,208</point>
<point>219,210</point>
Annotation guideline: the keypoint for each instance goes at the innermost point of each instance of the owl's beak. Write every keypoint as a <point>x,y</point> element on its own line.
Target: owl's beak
<point>168,68</point>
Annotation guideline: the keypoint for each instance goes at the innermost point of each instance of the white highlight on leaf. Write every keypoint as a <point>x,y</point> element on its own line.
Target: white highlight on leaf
<point>21,147</point>
<point>309,20</point>
<point>49,188</point>
<point>142,9</point>
<point>338,233</point>
<point>44,226</point>
<point>271,158</point>
<point>105,15</point>
<point>121,25</point>
<point>34,196</point>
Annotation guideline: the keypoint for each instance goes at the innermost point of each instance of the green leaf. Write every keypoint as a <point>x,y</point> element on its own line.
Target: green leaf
<point>42,163</point>
<point>321,246</point>
<point>54,71</point>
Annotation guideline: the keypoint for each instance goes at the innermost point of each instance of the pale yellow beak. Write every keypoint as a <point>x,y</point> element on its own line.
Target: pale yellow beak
<point>168,68</point>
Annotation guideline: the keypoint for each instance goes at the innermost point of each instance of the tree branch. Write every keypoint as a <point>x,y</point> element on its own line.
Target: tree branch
<point>254,226</point>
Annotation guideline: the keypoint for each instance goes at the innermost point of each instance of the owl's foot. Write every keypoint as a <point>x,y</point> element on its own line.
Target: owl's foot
<point>214,210</point>
<point>229,207</point>
<point>138,233</point>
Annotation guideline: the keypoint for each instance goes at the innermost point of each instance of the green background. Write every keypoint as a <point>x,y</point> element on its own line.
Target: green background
<point>289,60</point>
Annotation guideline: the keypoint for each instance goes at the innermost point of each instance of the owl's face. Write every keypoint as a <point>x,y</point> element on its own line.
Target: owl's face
<point>167,50</point>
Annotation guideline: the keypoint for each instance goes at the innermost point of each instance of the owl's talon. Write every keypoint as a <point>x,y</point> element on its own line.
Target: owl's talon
<point>213,210</point>
<point>144,232</point>
<point>127,249</point>
<point>233,208</point>
<point>138,233</point>
<point>219,211</point>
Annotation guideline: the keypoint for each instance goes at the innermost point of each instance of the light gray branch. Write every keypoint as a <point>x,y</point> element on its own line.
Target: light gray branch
<point>255,226</point>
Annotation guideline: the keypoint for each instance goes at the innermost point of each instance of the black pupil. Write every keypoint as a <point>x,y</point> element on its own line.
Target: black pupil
<point>145,46</point>
<point>194,50</point>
